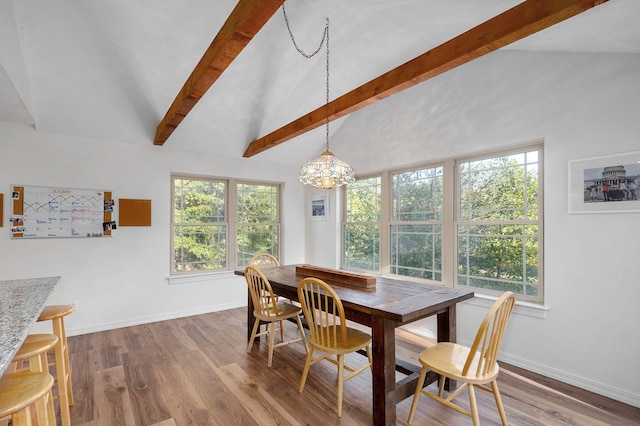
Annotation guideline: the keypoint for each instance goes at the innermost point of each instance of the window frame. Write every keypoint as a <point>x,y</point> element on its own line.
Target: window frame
<point>450,219</point>
<point>231,216</point>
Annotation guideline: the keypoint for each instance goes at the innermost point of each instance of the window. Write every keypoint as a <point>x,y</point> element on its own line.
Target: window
<point>362,225</point>
<point>473,222</point>
<point>416,223</point>
<point>207,211</point>
<point>258,223</point>
<point>499,222</point>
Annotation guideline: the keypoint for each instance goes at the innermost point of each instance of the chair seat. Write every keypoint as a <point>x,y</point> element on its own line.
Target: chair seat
<point>356,340</point>
<point>285,310</point>
<point>449,358</point>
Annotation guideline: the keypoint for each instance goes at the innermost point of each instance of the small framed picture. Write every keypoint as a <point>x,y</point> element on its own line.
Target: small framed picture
<point>607,184</point>
<point>319,207</point>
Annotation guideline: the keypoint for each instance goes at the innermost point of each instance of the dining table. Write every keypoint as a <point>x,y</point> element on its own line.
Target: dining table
<point>21,302</point>
<point>388,304</point>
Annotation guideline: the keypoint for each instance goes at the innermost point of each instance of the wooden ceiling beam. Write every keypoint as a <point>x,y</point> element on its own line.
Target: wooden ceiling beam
<point>244,22</point>
<point>514,24</point>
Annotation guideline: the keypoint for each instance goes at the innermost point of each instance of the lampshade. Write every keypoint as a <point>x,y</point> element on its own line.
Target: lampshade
<point>326,171</point>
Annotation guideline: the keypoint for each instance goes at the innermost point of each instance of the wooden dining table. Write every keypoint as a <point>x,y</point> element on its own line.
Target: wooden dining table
<point>390,304</point>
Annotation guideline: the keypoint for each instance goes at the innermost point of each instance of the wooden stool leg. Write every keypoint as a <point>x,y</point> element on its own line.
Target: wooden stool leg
<point>63,374</point>
<point>45,414</point>
<point>22,418</point>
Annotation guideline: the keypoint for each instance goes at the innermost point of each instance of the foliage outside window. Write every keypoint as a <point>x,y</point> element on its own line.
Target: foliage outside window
<point>484,232</point>
<point>362,225</point>
<point>416,224</point>
<point>258,221</point>
<point>204,218</point>
<point>499,224</point>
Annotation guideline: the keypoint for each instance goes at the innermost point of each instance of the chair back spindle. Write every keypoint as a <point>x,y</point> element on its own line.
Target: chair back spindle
<point>264,301</point>
<point>324,312</point>
<point>486,346</point>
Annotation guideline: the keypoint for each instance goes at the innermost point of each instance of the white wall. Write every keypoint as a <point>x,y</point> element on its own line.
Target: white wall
<point>122,280</point>
<point>582,105</point>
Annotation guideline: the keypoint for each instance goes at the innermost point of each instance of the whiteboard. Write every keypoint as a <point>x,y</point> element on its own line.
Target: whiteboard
<point>48,212</point>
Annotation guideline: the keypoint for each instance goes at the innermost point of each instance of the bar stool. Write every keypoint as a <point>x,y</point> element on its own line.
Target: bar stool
<point>21,392</point>
<point>34,351</point>
<point>56,314</point>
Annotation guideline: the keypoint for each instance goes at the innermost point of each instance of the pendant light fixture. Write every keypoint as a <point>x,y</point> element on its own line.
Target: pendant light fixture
<point>326,171</point>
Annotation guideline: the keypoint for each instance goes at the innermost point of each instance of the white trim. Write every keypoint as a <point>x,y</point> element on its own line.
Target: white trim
<point>521,308</point>
<point>571,379</point>
<point>198,278</point>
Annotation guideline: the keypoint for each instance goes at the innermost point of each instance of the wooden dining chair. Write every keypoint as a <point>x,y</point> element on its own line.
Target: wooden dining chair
<point>474,367</point>
<point>270,310</point>
<point>329,333</point>
<point>264,260</point>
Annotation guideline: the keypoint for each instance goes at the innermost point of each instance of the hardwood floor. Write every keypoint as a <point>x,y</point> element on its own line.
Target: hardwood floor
<point>195,371</point>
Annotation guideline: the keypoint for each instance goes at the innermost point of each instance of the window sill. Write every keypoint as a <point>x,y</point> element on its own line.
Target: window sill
<point>201,277</point>
<point>521,308</point>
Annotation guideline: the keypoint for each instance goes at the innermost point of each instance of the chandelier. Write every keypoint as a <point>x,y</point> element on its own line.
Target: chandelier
<point>326,171</point>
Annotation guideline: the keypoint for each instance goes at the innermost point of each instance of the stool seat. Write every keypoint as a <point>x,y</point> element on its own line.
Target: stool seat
<point>19,391</point>
<point>34,349</point>
<point>55,311</point>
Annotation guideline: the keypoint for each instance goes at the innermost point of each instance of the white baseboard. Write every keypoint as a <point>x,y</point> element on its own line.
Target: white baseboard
<point>572,379</point>
<point>77,331</point>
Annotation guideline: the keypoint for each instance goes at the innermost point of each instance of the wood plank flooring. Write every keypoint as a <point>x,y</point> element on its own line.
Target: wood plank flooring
<point>195,371</point>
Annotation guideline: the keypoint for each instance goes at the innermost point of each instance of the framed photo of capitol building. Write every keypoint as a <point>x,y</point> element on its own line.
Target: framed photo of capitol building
<point>607,184</point>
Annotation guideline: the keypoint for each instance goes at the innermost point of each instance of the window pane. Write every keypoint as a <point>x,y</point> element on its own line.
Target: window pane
<point>499,257</point>
<point>500,188</point>
<point>199,247</point>
<point>361,247</point>
<point>417,195</point>
<point>258,228</point>
<point>498,229</point>
<point>199,201</point>
<point>256,239</point>
<point>364,201</point>
<point>257,203</point>
<point>416,251</point>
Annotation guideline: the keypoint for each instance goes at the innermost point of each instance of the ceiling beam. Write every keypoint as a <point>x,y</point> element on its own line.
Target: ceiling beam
<point>244,22</point>
<point>514,24</point>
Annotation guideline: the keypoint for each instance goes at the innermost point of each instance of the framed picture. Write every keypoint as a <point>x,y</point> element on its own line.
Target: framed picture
<point>607,184</point>
<point>319,207</point>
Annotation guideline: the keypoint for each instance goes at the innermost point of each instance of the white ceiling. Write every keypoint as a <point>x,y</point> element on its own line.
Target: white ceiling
<point>108,70</point>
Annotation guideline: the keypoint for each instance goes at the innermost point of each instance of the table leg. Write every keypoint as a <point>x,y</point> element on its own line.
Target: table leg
<point>384,369</point>
<point>250,318</point>
<point>447,333</point>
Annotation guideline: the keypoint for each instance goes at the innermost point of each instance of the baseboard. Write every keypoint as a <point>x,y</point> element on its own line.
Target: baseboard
<point>95,328</point>
<point>573,380</point>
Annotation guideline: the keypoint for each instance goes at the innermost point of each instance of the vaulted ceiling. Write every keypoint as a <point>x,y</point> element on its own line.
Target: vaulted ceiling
<point>111,70</point>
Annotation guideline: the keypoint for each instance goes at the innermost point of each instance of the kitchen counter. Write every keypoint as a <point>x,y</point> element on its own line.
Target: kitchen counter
<point>21,302</point>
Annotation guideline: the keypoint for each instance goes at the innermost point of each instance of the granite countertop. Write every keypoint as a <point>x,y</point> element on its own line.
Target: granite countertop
<point>21,302</point>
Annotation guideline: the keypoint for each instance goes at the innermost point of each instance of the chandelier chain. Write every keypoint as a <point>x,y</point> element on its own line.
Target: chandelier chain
<point>325,36</point>
<point>326,105</point>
